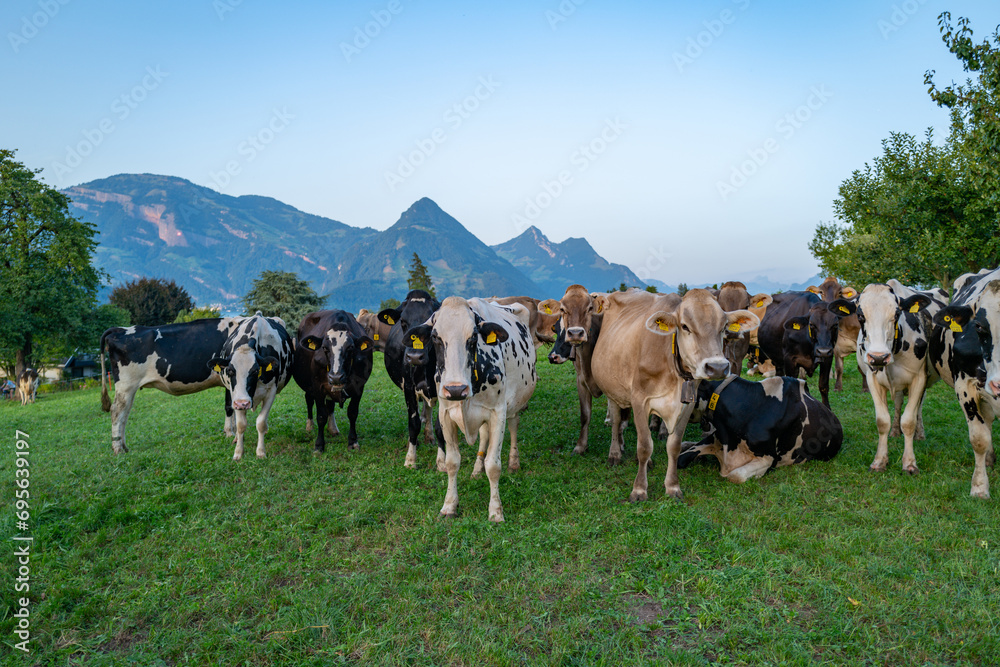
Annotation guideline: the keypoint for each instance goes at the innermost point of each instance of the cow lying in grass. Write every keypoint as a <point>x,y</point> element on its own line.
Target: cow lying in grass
<point>752,427</point>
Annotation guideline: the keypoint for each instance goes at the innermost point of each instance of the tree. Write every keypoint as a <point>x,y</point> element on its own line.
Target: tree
<point>202,313</point>
<point>682,289</point>
<point>652,289</point>
<point>282,294</point>
<point>47,281</point>
<point>151,301</point>
<point>419,276</point>
<point>921,212</point>
<point>388,303</point>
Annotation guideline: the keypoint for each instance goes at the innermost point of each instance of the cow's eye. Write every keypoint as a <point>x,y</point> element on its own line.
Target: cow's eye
<point>684,327</point>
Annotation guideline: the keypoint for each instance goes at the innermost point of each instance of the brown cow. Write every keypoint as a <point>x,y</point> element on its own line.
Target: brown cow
<point>847,333</point>
<point>648,360</point>
<point>376,329</point>
<point>540,326</point>
<point>734,296</point>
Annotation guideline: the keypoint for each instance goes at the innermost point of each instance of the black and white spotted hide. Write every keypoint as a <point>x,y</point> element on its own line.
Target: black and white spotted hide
<point>484,374</point>
<point>965,352</point>
<point>759,426</point>
<point>254,365</point>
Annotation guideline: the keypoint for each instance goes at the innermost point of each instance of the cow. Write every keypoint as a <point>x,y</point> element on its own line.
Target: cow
<point>253,355</point>
<point>651,360</point>
<point>754,427</point>
<point>847,331</point>
<point>540,322</point>
<point>415,380</point>
<point>965,352</point>
<point>375,328</point>
<point>799,332</point>
<point>484,374</point>
<point>333,361</point>
<point>27,385</point>
<point>734,296</point>
<point>895,324</point>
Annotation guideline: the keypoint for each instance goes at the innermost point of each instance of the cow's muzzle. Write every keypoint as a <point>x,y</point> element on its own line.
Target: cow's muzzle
<point>456,392</point>
<point>717,369</point>
<point>556,358</point>
<point>993,387</point>
<point>878,360</point>
<point>242,405</point>
<point>824,352</point>
<point>415,357</point>
<point>576,335</point>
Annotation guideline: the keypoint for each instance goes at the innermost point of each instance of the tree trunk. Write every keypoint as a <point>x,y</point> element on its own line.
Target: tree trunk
<point>22,358</point>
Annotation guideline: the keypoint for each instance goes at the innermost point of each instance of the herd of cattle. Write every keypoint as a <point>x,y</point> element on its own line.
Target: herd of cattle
<point>659,359</point>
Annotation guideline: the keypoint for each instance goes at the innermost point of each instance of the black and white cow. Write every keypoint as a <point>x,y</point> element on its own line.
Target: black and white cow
<point>333,361</point>
<point>895,325</point>
<point>27,385</point>
<point>415,380</point>
<point>176,359</point>
<point>753,427</point>
<point>255,364</point>
<point>484,375</point>
<point>965,352</point>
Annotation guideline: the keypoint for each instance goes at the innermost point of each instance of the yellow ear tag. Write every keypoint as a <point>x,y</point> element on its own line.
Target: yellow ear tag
<point>417,343</point>
<point>491,338</point>
<point>713,401</point>
<point>663,325</point>
<point>915,307</point>
<point>760,304</point>
<point>954,326</point>
<point>268,369</point>
<point>376,336</point>
<point>311,345</point>
<point>796,326</point>
<point>548,310</point>
<point>364,346</point>
<point>218,368</point>
<point>847,311</point>
<point>389,320</point>
<point>734,327</point>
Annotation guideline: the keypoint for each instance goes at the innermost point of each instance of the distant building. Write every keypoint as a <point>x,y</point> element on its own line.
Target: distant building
<point>81,366</point>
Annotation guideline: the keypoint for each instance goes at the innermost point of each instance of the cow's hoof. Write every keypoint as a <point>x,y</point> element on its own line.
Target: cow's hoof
<point>677,494</point>
<point>476,474</point>
<point>497,518</point>
<point>980,493</point>
<point>516,465</point>
<point>637,497</point>
<point>440,467</point>
<point>261,455</point>
<point>877,467</point>
<point>309,426</point>
<point>449,515</point>
<point>911,469</point>
<point>614,460</point>
<point>354,445</point>
<point>895,432</point>
<point>237,457</point>
<point>580,451</point>
<point>319,450</point>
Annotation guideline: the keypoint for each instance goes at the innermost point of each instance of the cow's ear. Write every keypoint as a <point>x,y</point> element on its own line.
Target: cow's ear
<point>418,337</point>
<point>741,321</point>
<point>390,316</point>
<point>549,306</point>
<point>915,303</point>
<point>600,302</point>
<point>797,324</point>
<point>814,290</point>
<point>848,292</point>
<point>312,342</point>
<point>218,363</point>
<point>492,333</point>
<point>842,307</point>
<point>762,300</point>
<point>662,323</point>
<point>268,368</point>
<point>365,345</point>
<point>954,317</point>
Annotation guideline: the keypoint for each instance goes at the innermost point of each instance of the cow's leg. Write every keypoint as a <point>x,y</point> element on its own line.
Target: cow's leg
<point>426,419</point>
<point>897,414</point>
<point>514,458</point>
<point>586,407</point>
<point>919,433</point>
<point>492,463</point>
<point>483,438</point>
<point>324,407</point>
<point>124,396</point>
<point>615,451</point>
<point>413,415</point>
<point>824,380</point>
<point>882,422</point>
<point>452,462</point>
<point>755,468</point>
<point>908,421</point>
<point>229,425</point>
<point>607,415</point>
<point>265,409</point>
<point>838,369</point>
<point>864,380</point>
<point>352,415</point>
<point>241,428</point>
<point>980,420</point>
<point>644,450</point>
<point>331,425</point>
<point>439,434</point>
<point>309,411</point>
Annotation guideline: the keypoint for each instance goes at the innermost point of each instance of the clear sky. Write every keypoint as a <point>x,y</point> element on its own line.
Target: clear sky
<point>693,142</point>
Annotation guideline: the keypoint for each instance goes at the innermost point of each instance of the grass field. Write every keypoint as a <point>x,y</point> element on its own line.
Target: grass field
<point>173,554</point>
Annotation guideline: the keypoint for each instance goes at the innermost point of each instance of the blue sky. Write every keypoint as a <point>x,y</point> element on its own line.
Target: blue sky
<point>692,142</point>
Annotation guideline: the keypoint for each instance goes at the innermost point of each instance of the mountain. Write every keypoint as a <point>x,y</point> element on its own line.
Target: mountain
<point>459,263</point>
<point>554,266</point>
<point>212,244</point>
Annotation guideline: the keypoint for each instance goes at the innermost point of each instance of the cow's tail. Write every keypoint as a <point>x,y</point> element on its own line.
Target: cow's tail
<point>105,399</point>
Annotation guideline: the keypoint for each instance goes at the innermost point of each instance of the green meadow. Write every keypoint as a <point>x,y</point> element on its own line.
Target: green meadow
<point>173,554</point>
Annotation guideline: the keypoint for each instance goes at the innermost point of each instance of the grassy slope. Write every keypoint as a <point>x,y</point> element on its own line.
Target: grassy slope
<point>173,554</point>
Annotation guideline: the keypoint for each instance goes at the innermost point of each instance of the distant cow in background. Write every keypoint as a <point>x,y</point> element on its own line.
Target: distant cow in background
<point>333,361</point>
<point>540,321</point>
<point>27,385</point>
<point>847,331</point>
<point>734,296</point>
<point>753,427</point>
<point>374,328</point>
